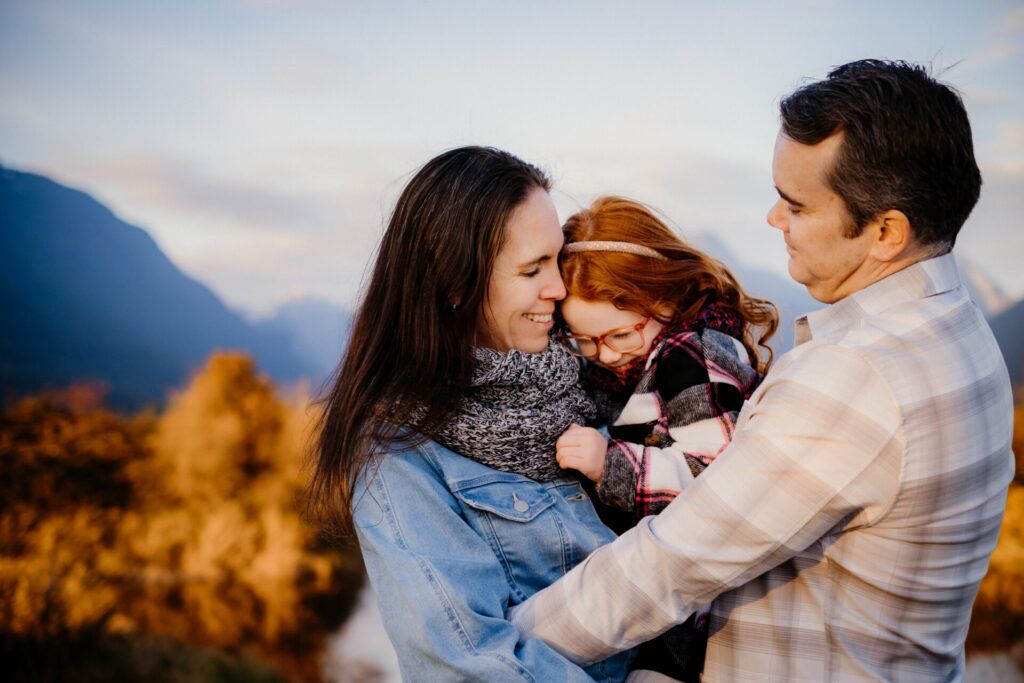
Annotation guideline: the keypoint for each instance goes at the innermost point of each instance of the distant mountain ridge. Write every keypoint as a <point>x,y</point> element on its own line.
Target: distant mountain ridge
<point>984,291</point>
<point>84,295</point>
<point>1008,328</point>
<point>319,331</point>
<point>791,298</point>
<point>1004,315</point>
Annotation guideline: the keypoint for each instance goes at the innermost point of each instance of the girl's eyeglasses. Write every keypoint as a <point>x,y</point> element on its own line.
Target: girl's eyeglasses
<point>620,340</point>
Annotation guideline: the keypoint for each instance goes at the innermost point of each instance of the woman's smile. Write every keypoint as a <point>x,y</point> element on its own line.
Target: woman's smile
<point>545,319</point>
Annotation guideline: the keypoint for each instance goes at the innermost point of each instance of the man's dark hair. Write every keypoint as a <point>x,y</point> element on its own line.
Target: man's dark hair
<point>906,145</point>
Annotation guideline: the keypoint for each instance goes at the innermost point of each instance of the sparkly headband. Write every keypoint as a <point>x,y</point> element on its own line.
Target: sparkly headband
<point>624,247</point>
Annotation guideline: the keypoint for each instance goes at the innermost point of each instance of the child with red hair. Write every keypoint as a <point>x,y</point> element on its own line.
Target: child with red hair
<point>673,348</point>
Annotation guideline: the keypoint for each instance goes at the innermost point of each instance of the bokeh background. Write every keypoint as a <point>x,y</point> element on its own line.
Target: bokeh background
<point>191,192</point>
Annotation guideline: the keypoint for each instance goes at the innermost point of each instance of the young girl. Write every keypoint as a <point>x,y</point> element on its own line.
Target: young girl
<point>672,345</point>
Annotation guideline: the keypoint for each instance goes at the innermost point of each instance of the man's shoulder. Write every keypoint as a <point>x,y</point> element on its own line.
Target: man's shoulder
<point>830,365</point>
<point>915,339</point>
<point>918,350</point>
<point>935,324</point>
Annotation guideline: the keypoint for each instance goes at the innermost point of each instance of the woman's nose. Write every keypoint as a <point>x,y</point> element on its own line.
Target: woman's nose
<point>777,216</point>
<point>554,288</point>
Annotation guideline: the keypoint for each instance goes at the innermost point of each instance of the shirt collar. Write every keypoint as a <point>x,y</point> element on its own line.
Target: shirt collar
<point>918,281</point>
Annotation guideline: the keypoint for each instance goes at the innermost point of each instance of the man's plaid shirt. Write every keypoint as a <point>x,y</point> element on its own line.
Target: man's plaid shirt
<point>845,530</point>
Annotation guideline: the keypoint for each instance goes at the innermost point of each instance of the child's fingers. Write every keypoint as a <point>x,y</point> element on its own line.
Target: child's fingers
<point>565,450</point>
<point>568,439</point>
<point>566,459</point>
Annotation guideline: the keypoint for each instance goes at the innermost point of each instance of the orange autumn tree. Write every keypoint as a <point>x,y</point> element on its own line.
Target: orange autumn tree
<point>183,526</point>
<point>998,619</point>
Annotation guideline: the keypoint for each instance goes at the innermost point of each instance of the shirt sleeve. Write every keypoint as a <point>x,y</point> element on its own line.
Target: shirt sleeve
<point>818,451</point>
<point>441,590</point>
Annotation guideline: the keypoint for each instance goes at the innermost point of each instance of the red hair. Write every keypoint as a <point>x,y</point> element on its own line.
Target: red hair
<point>682,283</point>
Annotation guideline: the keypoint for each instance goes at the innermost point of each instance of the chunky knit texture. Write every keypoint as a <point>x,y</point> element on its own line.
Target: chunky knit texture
<point>518,406</point>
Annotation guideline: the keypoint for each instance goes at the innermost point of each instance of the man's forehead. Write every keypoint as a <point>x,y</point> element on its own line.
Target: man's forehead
<point>806,165</point>
<point>825,149</point>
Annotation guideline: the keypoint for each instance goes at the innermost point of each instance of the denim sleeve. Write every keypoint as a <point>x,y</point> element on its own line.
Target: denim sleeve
<point>441,590</point>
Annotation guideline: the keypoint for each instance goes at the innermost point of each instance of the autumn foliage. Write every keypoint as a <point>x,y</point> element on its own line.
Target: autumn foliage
<point>998,619</point>
<point>170,547</point>
<point>165,546</point>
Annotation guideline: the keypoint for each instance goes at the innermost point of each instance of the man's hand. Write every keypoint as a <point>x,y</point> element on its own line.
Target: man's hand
<point>582,449</point>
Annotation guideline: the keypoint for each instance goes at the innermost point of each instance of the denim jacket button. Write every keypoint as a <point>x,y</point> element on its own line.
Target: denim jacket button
<point>519,505</point>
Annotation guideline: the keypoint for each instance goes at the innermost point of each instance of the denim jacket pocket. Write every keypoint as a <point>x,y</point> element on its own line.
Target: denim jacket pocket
<point>513,500</point>
<point>521,521</point>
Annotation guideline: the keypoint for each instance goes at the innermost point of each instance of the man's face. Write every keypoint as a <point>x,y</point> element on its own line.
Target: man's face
<point>813,218</point>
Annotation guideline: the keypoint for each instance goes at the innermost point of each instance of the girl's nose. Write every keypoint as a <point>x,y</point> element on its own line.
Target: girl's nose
<point>608,356</point>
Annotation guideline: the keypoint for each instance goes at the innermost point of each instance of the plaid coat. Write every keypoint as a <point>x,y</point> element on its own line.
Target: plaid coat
<point>678,416</point>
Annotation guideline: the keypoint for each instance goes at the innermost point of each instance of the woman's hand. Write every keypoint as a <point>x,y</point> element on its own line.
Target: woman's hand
<point>582,449</point>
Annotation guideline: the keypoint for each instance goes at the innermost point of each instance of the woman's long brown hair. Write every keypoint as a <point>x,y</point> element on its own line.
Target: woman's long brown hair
<point>411,344</point>
<point>683,283</point>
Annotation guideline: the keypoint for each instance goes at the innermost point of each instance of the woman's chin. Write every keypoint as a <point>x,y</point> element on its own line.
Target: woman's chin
<point>532,344</point>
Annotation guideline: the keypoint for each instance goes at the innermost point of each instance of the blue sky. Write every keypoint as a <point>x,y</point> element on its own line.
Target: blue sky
<point>263,142</point>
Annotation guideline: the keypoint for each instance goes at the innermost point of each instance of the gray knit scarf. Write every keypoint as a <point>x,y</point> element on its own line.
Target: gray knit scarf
<point>518,406</point>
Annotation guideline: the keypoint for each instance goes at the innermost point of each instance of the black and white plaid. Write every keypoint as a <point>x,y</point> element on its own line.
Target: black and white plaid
<point>678,417</point>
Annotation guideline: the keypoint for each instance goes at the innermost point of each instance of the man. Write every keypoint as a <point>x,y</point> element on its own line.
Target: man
<point>845,530</point>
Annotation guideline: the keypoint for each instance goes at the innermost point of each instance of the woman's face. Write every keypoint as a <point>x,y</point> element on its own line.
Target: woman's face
<point>525,282</point>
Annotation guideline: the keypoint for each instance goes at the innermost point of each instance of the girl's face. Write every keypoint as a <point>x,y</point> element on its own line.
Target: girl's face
<point>598,318</point>
<point>525,282</point>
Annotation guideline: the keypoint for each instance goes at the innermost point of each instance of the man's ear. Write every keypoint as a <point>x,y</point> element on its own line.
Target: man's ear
<point>893,236</point>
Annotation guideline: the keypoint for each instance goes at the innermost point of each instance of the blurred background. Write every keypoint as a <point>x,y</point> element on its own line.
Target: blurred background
<point>190,195</point>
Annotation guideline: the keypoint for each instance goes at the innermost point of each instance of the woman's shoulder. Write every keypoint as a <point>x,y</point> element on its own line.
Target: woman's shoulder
<point>417,457</point>
<point>411,453</point>
<point>406,480</point>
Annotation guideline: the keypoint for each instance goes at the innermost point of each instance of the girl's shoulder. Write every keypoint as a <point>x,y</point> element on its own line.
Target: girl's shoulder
<point>691,357</point>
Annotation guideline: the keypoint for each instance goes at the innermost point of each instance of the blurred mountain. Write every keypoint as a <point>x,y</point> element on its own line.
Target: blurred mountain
<point>984,291</point>
<point>1005,316</point>
<point>84,295</point>
<point>791,298</point>
<point>318,329</point>
<point>1008,327</point>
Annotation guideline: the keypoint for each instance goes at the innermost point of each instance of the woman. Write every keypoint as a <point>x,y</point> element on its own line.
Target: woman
<point>451,346</point>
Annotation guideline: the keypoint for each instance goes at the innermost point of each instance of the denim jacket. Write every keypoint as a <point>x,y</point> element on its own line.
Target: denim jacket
<point>450,544</point>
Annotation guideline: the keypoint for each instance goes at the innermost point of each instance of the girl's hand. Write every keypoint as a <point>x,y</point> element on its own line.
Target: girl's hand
<point>582,449</point>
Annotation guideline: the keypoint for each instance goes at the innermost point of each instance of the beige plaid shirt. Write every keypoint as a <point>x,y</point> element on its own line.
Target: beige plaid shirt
<point>844,532</point>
